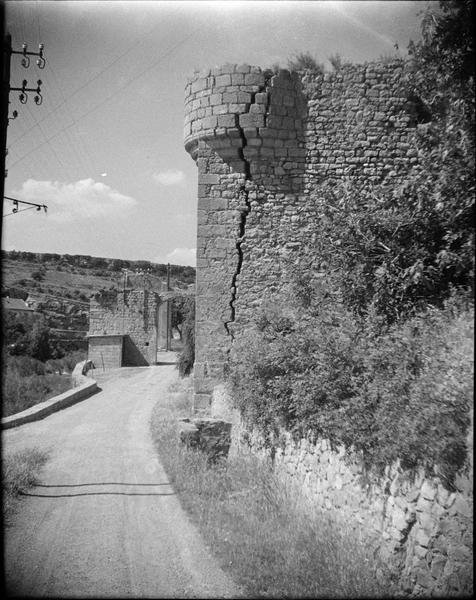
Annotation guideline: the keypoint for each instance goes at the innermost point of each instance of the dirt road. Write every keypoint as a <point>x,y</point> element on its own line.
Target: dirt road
<point>104,521</point>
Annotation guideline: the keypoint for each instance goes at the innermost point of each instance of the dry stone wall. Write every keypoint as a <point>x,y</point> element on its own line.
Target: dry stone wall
<point>420,530</point>
<point>264,142</point>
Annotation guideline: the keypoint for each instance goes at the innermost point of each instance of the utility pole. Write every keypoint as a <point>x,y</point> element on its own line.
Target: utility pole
<point>7,52</point>
<point>4,100</point>
<point>169,315</point>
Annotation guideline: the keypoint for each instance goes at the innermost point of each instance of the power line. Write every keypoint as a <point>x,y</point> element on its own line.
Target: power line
<point>108,97</point>
<point>78,148</point>
<point>52,148</point>
<point>16,202</point>
<point>38,20</point>
<point>81,87</point>
<point>18,211</point>
<point>6,54</point>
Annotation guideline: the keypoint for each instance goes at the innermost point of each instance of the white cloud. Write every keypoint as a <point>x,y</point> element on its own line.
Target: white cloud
<point>169,177</point>
<point>179,256</point>
<point>82,199</point>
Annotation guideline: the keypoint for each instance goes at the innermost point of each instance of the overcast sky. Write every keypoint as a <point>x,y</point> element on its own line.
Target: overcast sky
<point>105,150</point>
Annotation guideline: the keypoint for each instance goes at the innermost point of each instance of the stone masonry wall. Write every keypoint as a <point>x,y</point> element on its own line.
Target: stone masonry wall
<point>132,313</point>
<point>106,352</point>
<point>263,144</point>
<point>420,530</point>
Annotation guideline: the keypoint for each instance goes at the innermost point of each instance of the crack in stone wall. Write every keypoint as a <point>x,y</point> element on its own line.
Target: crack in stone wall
<point>241,128</point>
<point>245,209</point>
<point>241,235</point>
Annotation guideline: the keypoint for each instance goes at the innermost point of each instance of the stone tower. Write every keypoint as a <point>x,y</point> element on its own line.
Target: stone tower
<point>263,142</point>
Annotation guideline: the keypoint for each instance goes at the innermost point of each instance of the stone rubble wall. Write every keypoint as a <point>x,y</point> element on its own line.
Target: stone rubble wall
<point>420,529</point>
<point>264,143</point>
<point>133,313</point>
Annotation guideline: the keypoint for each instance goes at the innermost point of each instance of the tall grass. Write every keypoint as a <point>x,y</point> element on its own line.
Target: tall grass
<point>19,472</point>
<point>27,381</point>
<point>273,545</point>
<point>20,393</point>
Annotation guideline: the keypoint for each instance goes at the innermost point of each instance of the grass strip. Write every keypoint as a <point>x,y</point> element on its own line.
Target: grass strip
<point>259,529</point>
<point>19,472</point>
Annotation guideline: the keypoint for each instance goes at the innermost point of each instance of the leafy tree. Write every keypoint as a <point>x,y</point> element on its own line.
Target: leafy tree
<point>13,329</point>
<point>180,309</point>
<point>39,342</point>
<point>400,248</point>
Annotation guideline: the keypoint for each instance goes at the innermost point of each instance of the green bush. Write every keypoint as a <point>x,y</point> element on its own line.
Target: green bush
<point>187,356</point>
<point>396,249</point>
<point>21,392</point>
<point>20,471</point>
<point>27,381</point>
<point>304,61</point>
<point>259,529</point>
<point>37,275</point>
<point>39,341</point>
<point>390,392</point>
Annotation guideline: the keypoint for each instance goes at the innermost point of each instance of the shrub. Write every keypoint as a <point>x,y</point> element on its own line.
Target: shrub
<point>22,392</point>
<point>258,528</point>
<point>19,472</point>
<point>39,341</point>
<point>37,275</point>
<point>396,249</point>
<point>400,391</point>
<point>337,61</point>
<point>304,61</point>
<point>187,356</point>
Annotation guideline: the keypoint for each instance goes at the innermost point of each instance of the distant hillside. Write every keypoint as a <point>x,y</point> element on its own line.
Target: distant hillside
<point>59,286</point>
<point>179,274</point>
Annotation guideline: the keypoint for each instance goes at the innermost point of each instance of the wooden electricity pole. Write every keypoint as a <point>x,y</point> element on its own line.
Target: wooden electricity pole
<point>4,99</point>
<point>169,312</point>
<point>6,55</point>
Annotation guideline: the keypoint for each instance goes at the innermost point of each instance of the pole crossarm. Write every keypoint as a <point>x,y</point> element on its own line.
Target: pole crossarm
<point>41,61</point>
<point>23,89</point>
<point>16,202</point>
<point>6,52</point>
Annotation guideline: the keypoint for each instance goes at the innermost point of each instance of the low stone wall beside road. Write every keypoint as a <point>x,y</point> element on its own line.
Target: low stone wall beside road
<point>419,527</point>
<point>83,387</point>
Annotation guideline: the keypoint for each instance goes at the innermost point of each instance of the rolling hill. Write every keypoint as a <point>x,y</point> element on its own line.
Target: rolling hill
<point>59,286</point>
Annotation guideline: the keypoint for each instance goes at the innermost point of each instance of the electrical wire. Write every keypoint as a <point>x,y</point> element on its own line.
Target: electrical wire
<point>81,87</point>
<point>52,148</point>
<point>128,82</point>
<point>77,146</point>
<point>38,21</point>
<point>18,211</point>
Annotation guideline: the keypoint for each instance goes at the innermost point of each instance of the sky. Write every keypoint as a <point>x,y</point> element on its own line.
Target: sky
<point>104,151</point>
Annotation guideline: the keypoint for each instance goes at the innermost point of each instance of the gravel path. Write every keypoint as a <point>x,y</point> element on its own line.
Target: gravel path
<point>104,521</point>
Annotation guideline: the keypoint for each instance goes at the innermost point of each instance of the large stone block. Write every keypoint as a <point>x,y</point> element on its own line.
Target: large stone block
<point>211,436</point>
